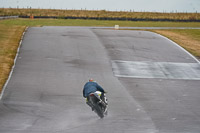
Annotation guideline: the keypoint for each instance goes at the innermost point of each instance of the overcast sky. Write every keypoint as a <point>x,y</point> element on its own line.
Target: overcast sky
<point>112,5</point>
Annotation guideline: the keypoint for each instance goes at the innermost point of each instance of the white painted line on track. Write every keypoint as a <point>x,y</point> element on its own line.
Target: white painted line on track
<point>20,43</point>
<point>179,47</point>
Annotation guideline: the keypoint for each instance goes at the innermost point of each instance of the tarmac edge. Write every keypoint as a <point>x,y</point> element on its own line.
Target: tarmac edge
<point>10,74</point>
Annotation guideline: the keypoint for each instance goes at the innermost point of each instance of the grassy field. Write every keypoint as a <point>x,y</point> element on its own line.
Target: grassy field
<point>98,14</point>
<point>79,22</point>
<point>12,29</point>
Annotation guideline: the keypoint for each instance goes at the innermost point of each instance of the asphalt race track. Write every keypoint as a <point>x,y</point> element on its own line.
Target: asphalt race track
<point>153,85</point>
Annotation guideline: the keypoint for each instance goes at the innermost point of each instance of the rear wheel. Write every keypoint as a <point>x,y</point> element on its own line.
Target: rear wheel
<point>99,111</point>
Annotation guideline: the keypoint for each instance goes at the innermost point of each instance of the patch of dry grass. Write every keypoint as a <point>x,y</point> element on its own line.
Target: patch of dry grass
<point>188,39</point>
<point>9,41</point>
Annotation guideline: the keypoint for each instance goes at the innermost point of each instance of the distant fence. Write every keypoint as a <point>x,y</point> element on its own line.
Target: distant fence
<point>8,17</point>
<point>102,18</point>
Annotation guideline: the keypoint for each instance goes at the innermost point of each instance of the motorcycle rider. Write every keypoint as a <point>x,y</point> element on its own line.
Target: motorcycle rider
<point>91,87</point>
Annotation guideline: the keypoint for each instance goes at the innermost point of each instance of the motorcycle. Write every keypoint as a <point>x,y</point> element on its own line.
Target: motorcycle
<point>98,102</point>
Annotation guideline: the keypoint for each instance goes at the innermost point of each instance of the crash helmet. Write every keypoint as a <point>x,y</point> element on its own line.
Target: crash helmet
<point>91,80</point>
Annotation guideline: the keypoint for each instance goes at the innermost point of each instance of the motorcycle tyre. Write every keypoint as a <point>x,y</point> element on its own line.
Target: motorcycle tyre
<point>99,111</point>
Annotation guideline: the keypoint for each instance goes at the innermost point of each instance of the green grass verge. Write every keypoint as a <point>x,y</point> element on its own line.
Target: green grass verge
<point>79,22</point>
